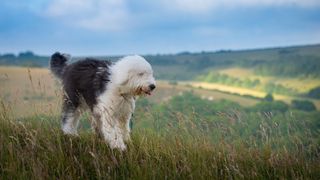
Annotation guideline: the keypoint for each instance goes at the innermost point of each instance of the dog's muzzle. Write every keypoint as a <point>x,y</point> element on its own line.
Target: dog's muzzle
<point>148,90</point>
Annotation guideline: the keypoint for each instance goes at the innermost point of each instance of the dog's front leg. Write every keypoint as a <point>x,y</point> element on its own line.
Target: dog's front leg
<point>127,130</point>
<point>109,129</point>
<point>113,134</point>
<point>128,122</point>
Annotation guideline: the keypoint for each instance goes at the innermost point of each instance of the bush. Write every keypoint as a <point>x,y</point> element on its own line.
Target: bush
<point>303,105</point>
<point>314,93</point>
<point>274,106</point>
<point>279,89</point>
<point>213,77</point>
<point>268,97</point>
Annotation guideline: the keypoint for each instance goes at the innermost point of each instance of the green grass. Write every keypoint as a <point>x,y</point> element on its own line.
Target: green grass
<point>298,84</point>
<point>35,148</point>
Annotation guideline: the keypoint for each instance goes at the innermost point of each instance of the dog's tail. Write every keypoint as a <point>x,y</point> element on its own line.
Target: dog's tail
<point>57,63</point>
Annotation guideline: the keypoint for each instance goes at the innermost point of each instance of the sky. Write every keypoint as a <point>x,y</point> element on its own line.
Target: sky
<point>121,27</point>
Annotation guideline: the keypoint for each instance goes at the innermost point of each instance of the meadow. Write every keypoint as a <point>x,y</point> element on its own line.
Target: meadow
<point>301,85</point>
<point>31,91</point>
<point>181,132</point>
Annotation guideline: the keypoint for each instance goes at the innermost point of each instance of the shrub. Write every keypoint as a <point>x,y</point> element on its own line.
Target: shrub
<point>303,105</point>
<point>274,106</point>
<point>314,93</point>
<point>268,97</point>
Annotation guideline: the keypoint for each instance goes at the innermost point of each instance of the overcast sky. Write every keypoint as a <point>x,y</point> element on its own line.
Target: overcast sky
<point>118,27</point>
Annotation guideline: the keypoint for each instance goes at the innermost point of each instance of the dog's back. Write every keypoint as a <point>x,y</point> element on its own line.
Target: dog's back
<point>85,78</point>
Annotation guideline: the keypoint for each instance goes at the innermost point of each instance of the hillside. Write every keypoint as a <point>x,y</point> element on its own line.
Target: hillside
<point>302,60</point>
<point>181,132</point>
<point>290,71</point>
<point>287,61</point>
<point>184,138</point>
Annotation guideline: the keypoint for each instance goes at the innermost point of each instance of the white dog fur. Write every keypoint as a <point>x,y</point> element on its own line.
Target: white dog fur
<point>114,103</point>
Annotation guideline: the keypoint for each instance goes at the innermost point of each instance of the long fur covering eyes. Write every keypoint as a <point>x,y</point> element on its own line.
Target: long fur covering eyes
<point>107,89</point>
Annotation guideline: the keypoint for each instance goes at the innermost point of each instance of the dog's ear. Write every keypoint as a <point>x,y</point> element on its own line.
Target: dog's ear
<point>124,78</point>
<point>124,81</point>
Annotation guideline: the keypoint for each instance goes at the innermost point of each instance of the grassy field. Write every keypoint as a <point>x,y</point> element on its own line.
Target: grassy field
<point>301,85</point>
<point>205,92</point>
<point>36,89</point>
<point>31,91</point>
<point>172,138</point>
<point>36,149</point>
<point>244,91</point>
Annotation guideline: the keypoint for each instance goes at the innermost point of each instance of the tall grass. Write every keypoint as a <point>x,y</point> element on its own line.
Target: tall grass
<point>35,148</point>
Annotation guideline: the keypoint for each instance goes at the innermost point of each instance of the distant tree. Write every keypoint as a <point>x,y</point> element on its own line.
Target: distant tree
<point>303,105</point>
<point>256,82</point>
<point>314,93</point>
<point>184,53</point>
<point>268,97</point>
<point>7,56</point>
<point>27,54</point>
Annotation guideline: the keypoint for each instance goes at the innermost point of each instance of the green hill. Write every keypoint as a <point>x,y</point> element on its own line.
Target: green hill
<point>287,61</point>
<point>282,61</point>
<point>293,71</point>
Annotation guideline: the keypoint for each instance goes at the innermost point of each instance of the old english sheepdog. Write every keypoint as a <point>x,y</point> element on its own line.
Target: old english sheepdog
<point>108,89</point>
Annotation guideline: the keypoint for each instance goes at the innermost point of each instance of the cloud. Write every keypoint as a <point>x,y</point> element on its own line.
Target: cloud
<point>97,15</point>
<point>204,6</point>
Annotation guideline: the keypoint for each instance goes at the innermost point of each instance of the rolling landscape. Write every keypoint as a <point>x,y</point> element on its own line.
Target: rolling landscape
<point>228,114</point>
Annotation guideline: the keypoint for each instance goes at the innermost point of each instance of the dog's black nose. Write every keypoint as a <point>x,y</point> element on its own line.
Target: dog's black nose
<point>152,86</point>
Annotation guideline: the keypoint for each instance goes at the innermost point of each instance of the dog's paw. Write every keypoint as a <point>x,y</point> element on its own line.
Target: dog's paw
<point>68,131</point>
<point>118,145</point>
<point>123,147</point>
<point>127,138</point>
<point>71,134</point>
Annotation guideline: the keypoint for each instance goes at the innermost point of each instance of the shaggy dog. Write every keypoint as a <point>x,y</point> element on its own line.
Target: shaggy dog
<point>109,91</point>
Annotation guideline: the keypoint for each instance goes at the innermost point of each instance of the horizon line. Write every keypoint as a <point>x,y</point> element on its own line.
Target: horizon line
<point>182,52</point>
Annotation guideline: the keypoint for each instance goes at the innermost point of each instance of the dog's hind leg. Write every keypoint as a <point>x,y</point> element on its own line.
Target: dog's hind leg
<point>70,117</point>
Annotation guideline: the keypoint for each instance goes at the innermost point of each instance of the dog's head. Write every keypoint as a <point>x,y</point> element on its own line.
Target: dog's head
<point>135,76</point>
